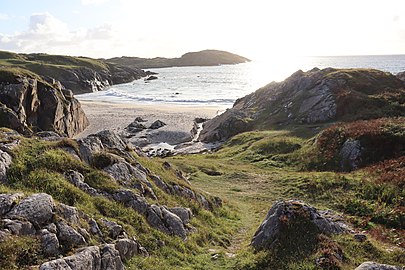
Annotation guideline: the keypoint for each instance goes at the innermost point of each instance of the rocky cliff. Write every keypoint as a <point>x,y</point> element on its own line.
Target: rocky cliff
<point>315,96</point>
<point>201,58</point>
<point>30,104</point>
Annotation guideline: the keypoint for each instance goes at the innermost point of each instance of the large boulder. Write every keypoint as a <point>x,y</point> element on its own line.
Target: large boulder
<point>37,208</point>
<point>131,199</point>
<point>377,266</point>
<point>49,243</point>
<point>127,248</point>
<point>315,96</point>
<point>292,216</point>
<point>28,103</point>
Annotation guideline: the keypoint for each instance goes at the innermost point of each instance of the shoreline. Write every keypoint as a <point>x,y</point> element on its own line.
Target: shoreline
<point>116,116</point>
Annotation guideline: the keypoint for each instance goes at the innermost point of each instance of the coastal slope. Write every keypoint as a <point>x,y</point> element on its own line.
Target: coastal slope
<point>315,96</point>
<point>201,58</point>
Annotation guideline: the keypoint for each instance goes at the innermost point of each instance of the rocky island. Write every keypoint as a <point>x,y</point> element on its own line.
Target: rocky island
<point>201,58</point>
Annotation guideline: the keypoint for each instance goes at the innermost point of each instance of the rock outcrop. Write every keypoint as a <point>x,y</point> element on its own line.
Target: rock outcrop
<point>315,96</point>
<point>292,215</point>
<point>28,103</point>
<point>377,266</point>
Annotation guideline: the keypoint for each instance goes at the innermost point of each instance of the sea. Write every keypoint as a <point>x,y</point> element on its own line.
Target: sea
<point>222,85</point>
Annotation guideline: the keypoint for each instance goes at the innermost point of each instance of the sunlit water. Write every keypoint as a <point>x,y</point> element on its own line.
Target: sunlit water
<point>222,85</point>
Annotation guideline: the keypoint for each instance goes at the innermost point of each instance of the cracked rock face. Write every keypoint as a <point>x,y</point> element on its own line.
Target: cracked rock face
<point>283,214</point>
<point>377,266</point>
<point>29,103</point>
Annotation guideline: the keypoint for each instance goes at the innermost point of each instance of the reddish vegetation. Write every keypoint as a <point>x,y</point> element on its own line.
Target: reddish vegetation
<point>390,171</point>
<point>380,139</point>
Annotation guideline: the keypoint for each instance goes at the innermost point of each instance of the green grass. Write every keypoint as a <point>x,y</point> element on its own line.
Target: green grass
<point>259,168</point>
<point>39,166</point>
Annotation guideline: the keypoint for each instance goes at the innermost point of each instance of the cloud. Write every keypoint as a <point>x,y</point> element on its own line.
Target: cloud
<point>45,33</point>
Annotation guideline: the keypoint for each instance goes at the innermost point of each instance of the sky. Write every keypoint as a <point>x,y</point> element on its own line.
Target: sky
<point>169,28</point>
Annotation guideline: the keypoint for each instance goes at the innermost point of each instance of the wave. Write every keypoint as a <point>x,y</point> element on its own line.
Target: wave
<point>125,97</point>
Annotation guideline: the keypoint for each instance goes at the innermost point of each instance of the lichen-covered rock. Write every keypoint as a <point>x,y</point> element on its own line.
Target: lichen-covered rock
<point>283,214</point>
<point>77,179</point>
<point>69,213</point>
<point>68,236</point>
<point>125,173</point>
<point>183,213</point>
<point>49,243</point>
<point>37,208</point>
<point>5,162</point>
<point>377,266</point>
<point>131,199</point>
<point>111,140</point>
<point>35,103</point>
<point>110,258</point>
<point>88,258</point>
<point>114,229</point>
<point>127,248</point>
<point>18,227</point>
<point>89,146</point>
<point>161,218</point>
<point>8,201</point>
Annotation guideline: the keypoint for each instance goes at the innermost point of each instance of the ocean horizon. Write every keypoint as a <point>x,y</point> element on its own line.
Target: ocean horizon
<point>222,85</point>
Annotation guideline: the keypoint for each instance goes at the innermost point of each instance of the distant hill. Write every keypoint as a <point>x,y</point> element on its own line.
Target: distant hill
<point>201,58</point>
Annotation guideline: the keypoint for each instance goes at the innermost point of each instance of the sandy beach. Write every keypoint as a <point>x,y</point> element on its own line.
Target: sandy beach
<point>115,116</point>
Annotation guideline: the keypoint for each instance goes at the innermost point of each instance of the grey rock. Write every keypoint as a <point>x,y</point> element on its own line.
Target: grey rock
<point>5,162</point>
<point>88,258</point>
<point>160,183</point>
<point>162,219</point>
<point>135,127</point>
<point>68,236</point>
<point>49,243</point>
<point>111,140</point>
<point>8,201</point>
<point>350,155</point>
<point>84,233</point>
<point>271,229</point>
<point>183,213</point>
<point>377,266</point>
<point>51,227</point>
<point>157,124</point>
<point>19,227</point>
<point>89,146</point>
<point>37,208</point>
<point>114,229</point>
<point>110,258</point>
<point>94,229</point>
<point>131,199</point>
<point>77,179</point>
<point>124,173</point>
<point>69,213</point>
<point>127,248</point>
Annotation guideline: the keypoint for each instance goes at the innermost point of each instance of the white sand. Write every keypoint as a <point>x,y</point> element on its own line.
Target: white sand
<point>113,116</point>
